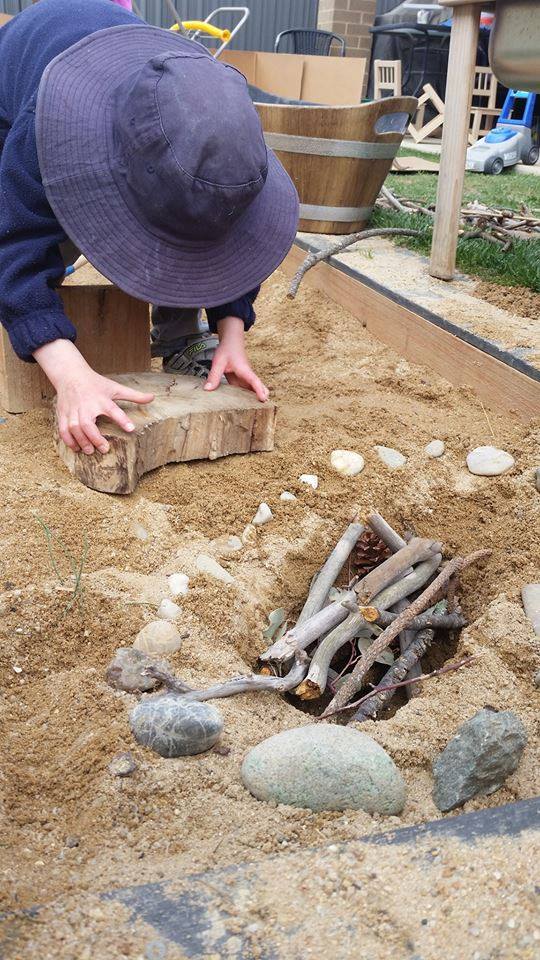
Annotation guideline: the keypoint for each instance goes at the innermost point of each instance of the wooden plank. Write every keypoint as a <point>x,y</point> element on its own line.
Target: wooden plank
<point>458,99</point>
<point>113,334</point>
<point>419,340</point>
<point>184,422</point>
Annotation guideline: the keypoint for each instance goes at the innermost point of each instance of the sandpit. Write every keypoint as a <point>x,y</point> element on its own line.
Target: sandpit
<point>69,824</point>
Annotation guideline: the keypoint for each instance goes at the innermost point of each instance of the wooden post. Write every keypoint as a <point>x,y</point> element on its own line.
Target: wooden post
<point>458,98</point>
<point>113,335</point>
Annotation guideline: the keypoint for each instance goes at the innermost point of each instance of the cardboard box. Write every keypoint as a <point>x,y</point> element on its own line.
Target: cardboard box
<point>337,81</point>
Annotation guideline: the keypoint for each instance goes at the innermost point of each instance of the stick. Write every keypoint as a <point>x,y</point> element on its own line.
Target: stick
<point>338,245</point>
<point>439,621</point>
<point>354,681</point>
<point>236,685</point>
<point>394,568</point>
<point>406,638</point>
<point>315,683</point>
<point>330,571</point>
<point>409,584</point>
<point>448,667</point>
<point>300,636</point>
<point>385,532</point>
<point>400,670</point>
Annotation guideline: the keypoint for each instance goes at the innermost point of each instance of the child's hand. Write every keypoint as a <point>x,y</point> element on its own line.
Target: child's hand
<point>82,396</point>
<point>231,359</point>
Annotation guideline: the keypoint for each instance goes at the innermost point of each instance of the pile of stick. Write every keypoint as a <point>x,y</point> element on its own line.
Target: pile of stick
<point>401,603</point>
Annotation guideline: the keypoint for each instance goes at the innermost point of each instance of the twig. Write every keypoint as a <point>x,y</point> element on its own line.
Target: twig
<point>300,636</point>
<point>393,569</point>
<point>236,685</point>
<point>314,684</point>
<point>402,669</point>
<point>439,621</point>
<point>406,638</point>
<point>332,248</point>
<point>410,583</point>
<point>330,571</point>
<point>448,667</point>
<point>355,679</point>
<point>385,532</point>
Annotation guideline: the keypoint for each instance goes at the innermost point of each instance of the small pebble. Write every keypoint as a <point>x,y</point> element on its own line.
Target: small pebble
<point>226,546</point>
<point>174,727</point>
<point>72,842</point>
<point>530,595</point>
<point>392,458</point>
<point>537,478</point>
<point>208,565</point>
<point>263,515</point>
<point>123,765</point>
<point>347,462</point>
<point>126,671</point>
<point>536,680</point>
<point>168,610</point>
<point>489,461</point>
<point>178,584</point>
<point>287,496</point>
<point>249,535</point>
<point>311,479</point>
<point>17,669</point>
<point>434,449</point>
<point>159,636</point>
<point>139,531</point>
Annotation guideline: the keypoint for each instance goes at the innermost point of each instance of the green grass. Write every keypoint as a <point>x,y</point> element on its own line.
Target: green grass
<point>509,190</point>
<point>519,266</point>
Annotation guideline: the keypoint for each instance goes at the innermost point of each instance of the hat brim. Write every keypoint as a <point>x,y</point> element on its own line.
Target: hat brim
<point>75,142</point>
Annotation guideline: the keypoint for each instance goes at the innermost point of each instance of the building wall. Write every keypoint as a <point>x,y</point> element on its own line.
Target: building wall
<point>350,19</point>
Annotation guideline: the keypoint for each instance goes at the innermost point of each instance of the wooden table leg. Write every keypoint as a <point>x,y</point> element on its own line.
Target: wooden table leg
<point>459,83</point>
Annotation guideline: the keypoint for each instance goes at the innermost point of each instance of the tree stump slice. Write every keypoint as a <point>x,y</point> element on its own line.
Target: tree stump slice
<point>184,422</point>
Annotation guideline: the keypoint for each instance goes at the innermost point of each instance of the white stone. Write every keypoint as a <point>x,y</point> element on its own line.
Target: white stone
<point>489,461</point>
<point>434,449</point>
<point>249,535</point>
<point>347,462</point>
<point>287,496</point>
<point>159,636</point>
<point>225,546</point>
<point>392,458</point>
<point>311,479</point>
<point>263,515</point>
<point>530,595</point>
<point>212,568</point>
<point>178,584</point>
<point>168,610</point>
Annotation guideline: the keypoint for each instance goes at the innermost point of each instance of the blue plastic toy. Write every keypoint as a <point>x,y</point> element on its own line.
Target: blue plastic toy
<point>513,140</point>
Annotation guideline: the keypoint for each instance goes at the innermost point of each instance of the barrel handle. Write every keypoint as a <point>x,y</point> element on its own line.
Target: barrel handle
<point>392,123</point>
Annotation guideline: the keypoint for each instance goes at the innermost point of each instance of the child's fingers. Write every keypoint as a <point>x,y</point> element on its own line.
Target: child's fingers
<point>94,436</point>
<point>120,417</point>
<point>135,396</point>
<point>79,435</point>
<point>248,378</point>
<point>65,434</point>
<point>216,372</point>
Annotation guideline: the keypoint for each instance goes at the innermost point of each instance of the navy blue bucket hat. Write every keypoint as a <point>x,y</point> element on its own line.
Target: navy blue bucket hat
<point>154,162</point>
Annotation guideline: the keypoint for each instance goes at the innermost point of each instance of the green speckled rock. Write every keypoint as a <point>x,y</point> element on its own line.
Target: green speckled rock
<point>325,767</point>
<point>174,727</point>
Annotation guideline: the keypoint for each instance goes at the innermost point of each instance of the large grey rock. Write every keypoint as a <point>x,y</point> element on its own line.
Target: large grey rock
<point>325,767</point>
<point>175,727</point>
<point>126,670</point>
<point>484,752</point>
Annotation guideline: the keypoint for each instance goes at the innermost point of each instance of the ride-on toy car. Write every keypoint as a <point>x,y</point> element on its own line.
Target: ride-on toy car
<point>513,140</point>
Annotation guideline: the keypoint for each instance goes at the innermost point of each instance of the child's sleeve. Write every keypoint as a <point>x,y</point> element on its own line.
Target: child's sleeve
<point>243,308</point>
<point>30,261</point>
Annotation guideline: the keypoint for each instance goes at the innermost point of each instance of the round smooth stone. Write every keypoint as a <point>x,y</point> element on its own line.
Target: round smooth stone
<point>434,449</point>
<point>174,727</point>
<point>392,458</point>
<point>325,767</point>
<point>160,636</point>
<point>347,462</point>
<point>168,610</point>
<point>178,584</point>
<point>489,461</point>
<point>287,496</point>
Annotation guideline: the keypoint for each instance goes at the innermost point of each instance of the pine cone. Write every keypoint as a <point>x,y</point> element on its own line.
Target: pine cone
<point>369,553</point>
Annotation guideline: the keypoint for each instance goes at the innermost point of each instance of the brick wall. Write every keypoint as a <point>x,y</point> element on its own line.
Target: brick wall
<point>351,19</point>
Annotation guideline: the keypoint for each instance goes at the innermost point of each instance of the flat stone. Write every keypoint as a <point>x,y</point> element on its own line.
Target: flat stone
<point>392,458</point>
<point>126,670</point>
<point>484,752</point>
<point>122,765</point>
<point>159,636</point>
<point>325,767</point>
<point>174,727</point>
<point>489,461</point>
<point>530,595</point>
<point>434,449</point>
<point>178,584</point>
<point>347,462</point>
<point>212,568</point>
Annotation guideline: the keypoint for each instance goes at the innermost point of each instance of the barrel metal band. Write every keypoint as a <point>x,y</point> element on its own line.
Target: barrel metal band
<point>322,147</point>
<point>312,211</point>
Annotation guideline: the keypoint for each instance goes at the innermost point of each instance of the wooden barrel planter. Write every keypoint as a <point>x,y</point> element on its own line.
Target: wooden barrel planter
<point>338,157</point>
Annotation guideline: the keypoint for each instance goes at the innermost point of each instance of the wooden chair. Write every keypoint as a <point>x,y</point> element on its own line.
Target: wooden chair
<point>113,334</point>
<point>483,114</point>
<point>418,130</point>
<point>387,78</point>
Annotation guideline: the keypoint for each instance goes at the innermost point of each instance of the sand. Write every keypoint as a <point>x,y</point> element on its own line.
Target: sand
<point>62,724</point>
